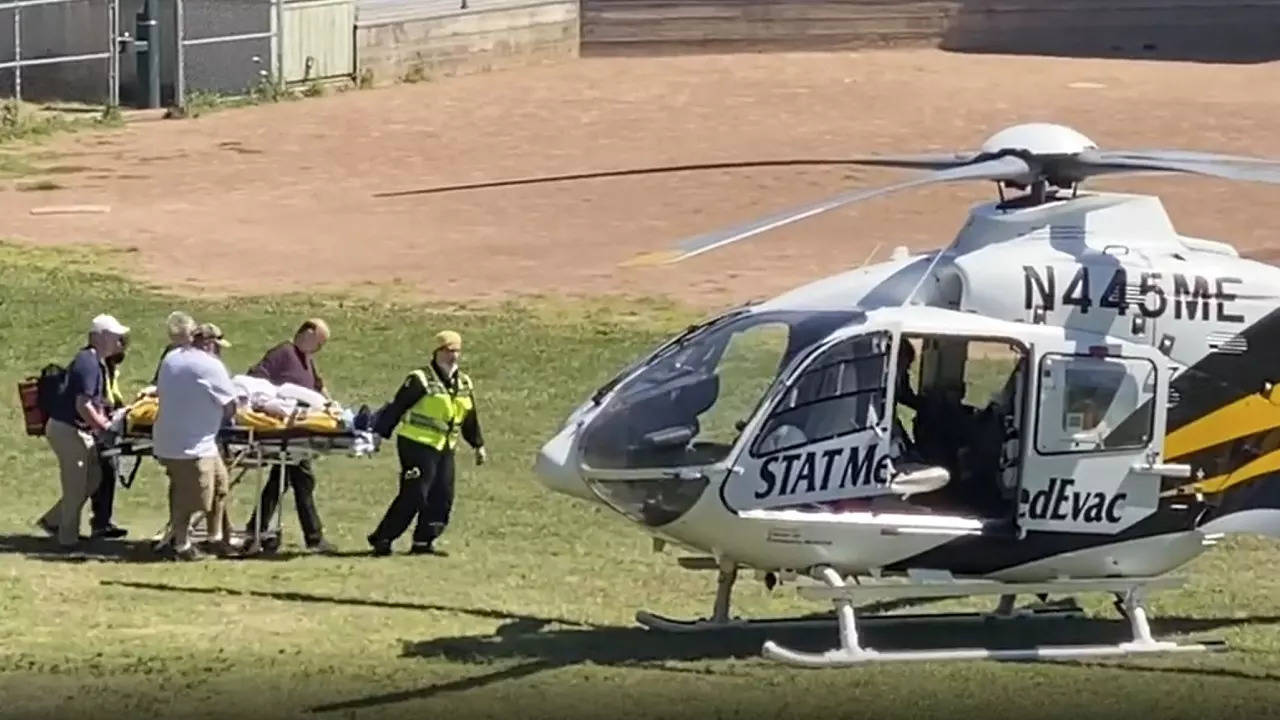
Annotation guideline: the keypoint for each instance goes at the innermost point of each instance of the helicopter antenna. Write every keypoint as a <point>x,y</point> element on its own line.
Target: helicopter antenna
<point>937,256</point>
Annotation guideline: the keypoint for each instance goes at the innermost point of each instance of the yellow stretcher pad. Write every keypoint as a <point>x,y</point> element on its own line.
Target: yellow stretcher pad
<point>141,416</point>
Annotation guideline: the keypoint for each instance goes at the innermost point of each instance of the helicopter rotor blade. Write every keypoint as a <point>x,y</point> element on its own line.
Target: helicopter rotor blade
<point>929,161</point>
<point>1222,166</point>
<point>1006,168</point>
<point>1190,155</point>
<point>919,161</point>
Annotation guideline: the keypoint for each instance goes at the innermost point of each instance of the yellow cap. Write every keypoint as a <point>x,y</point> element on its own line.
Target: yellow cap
<point>448,339</point>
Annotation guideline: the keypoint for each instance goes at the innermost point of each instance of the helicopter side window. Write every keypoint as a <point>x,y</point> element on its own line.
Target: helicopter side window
<point>1095,403</point>
<point>841,392</point>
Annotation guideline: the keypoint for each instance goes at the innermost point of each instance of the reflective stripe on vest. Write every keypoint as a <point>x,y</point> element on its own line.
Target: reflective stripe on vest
<point>111,377</point>
<point>436,418</point>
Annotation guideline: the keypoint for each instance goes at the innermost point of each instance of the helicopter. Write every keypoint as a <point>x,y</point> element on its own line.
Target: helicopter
<point>1069,397</point>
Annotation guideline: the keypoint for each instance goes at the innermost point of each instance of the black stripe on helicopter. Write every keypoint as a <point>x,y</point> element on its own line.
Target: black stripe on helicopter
<point>979,554</point>
<point>1219,379</point>
<point>1215,382</point>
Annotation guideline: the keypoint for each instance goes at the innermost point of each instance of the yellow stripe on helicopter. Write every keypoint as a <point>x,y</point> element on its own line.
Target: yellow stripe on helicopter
<point>1270,462</point>
<point>1247,416</point>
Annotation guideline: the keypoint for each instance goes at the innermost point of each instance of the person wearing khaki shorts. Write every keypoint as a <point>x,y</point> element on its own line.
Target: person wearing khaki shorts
<point>195,485</point>
<point>196,397</point>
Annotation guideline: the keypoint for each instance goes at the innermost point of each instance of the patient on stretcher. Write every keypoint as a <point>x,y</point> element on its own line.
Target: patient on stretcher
<point>263,406</point>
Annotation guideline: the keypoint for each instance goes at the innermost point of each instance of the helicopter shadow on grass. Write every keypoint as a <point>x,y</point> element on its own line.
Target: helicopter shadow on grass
<point>533,649</point>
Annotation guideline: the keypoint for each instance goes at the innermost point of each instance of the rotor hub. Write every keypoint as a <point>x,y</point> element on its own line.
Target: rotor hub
<point>1038,139</point>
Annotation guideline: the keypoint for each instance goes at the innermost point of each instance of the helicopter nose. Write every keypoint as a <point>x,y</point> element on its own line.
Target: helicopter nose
<point>554,467</point>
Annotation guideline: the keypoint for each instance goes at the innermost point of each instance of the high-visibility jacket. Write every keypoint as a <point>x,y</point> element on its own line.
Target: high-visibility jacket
<point>435,420</point>
<point>111,379</point>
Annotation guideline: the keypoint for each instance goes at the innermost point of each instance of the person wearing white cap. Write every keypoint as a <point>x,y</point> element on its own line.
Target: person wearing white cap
<point>432,410</point>
<point>77,415</point>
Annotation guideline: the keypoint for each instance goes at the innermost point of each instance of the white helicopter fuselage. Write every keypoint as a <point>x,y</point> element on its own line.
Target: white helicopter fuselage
<point>1098,277</point>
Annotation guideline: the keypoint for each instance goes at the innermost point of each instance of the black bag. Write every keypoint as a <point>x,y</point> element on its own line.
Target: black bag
<point>51,386</point>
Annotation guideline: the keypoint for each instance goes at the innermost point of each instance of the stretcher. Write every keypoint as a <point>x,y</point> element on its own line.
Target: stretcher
<point>252,440</point>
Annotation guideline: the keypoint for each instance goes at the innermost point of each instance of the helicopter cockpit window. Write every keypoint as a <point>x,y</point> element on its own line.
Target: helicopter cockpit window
<point>840,392</point>
<point>685,404</point>
<point>1095,403</point>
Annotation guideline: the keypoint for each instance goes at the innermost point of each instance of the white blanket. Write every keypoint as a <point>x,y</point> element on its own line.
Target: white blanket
<point>278,400</point>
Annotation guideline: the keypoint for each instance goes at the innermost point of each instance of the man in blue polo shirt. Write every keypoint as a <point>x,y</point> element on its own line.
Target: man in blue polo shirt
<point>76,417</point>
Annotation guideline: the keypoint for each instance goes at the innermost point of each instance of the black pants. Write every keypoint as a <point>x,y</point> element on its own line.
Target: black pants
<point>303,482</point>
<point>426,491</point>
<point>102,502</point>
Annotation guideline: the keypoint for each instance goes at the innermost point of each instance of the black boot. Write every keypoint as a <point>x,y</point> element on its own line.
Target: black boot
<point>381,548</point>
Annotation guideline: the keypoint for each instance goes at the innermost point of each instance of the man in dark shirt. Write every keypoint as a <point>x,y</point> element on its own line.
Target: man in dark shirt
<point>293,362</point>
<point>76,417</point>
<point>427,471</point>
<point>103,500</point>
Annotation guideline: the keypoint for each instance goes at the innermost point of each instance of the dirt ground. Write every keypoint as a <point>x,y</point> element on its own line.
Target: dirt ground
<point>281,197</point>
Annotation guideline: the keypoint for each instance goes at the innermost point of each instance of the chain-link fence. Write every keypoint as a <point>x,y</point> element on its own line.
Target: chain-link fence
<point>226,46</point>
<point>169,52</point>
<point>60,50</point>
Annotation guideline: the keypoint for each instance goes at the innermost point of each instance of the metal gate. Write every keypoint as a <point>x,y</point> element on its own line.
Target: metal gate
<point>60,49</point>
<point>73,50</point>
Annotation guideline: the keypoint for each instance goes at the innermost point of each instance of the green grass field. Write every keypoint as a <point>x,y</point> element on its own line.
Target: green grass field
<point>531,615</point>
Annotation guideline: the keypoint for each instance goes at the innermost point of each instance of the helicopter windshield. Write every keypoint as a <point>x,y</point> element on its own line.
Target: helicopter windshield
<point>687,403</point>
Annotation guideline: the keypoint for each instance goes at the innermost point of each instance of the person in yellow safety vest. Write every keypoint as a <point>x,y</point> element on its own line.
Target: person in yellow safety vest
<point>102,502</point>
<point>434,407</point>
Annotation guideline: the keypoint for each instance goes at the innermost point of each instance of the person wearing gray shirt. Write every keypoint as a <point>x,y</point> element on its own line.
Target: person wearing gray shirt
<point>196,397</point>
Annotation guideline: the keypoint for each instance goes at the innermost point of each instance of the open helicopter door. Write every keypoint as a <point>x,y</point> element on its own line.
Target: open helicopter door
<point>826,434</point>
<point>1098,424</point>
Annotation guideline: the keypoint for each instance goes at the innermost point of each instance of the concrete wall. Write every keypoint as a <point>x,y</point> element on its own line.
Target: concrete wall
<point>465,41</point>
<point>1220,30</point>
<point>625,25</point>
<point>1208,30</point>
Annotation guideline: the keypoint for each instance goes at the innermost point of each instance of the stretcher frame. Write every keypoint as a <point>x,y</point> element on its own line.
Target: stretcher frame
<point>246,449</point>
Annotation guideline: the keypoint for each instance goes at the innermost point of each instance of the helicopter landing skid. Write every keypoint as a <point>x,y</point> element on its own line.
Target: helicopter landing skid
<point>721,620</point>
<point>851,652</point>
<point>672,625</point>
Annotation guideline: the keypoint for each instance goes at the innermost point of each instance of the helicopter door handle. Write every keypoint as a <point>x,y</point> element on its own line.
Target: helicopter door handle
<point>1179,470</point>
